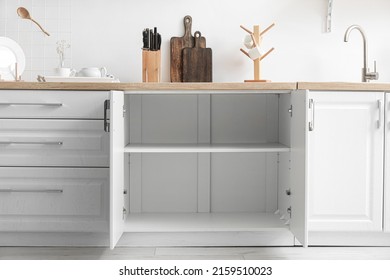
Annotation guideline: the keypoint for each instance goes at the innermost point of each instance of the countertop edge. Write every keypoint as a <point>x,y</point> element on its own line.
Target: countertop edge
<point>273,86</point>
<point>145,86</point>
<point>343,86</point>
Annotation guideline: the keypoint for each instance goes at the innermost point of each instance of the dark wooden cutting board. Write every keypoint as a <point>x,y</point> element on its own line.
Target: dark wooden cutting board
<point>197,62</point>
<point>177,46</point>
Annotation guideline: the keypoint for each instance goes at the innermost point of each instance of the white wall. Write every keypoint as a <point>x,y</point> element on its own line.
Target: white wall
<point>108,33</point>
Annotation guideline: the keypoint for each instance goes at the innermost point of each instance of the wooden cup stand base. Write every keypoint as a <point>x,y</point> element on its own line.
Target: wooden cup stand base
<point>257,37</point>
<point>257,81</point>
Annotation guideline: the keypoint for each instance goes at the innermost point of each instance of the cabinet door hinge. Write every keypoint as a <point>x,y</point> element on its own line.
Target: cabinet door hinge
<point>290,110</point>
<point>289,211</point>
<point>124,213</point>
<point>124,111</point>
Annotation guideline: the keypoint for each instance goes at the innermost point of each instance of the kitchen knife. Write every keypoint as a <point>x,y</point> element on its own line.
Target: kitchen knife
<point>145,39</point>
<point>155,39</point>
<point>158,41</point>
<point>151,41</point>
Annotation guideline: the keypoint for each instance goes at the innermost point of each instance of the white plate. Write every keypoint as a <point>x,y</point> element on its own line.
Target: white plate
<point>80,79</point>
<point>10,53</point>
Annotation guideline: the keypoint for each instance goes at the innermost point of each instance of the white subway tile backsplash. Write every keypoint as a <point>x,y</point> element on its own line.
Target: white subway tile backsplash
<point>25,3</point>
<point>40,50</point>
<point>38,38</point>
<point>38,14</point>
<point>52,3</point>
<point>10,9</point>
<point>2,9</point>
<point>12,34</point>
<point>51,25</point>
<point>39,3</point>
<point>13,24</point>
<point>51,12</point>
<point>25,26</point>
<point>51,51</point>
<point>25,38</point>
<point>50,64</point>
<point>37,64</point>
<point>32,75</point>
<point>2,27</point>
<point>64,12</point>
<point>64,3</point>
<point>67,36</point>
<point>64,26</point>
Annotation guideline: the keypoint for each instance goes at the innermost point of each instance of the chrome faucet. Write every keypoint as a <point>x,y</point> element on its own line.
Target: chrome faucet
<point>366,74</point>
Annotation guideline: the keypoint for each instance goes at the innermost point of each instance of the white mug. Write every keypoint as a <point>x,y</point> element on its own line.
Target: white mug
<point>92,72</point>
<point>254,53</point>
<point>248,42</point>
<point>64,72</point>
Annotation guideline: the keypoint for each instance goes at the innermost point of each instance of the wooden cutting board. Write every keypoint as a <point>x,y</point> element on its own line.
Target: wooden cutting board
<point>197,62</point>
<point>177,46</point>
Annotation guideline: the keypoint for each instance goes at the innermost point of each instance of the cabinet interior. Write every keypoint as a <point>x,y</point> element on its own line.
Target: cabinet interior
<point>204,162</point>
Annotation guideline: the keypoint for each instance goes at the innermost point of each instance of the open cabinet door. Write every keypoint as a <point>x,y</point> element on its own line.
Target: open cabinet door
<point>299,136</point>
<point>116,167</point>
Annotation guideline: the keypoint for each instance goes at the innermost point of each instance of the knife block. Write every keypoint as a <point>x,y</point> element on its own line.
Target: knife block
<point>151,66</point>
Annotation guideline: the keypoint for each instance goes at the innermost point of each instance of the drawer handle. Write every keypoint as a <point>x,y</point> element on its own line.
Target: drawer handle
<point>30,143</point>
<point>31,191</point>
<point>32,104</point>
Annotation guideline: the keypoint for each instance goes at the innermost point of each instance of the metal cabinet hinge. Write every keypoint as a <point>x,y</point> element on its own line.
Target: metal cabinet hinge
<point>124,111</point>
<point>312,109</point>
<point>124,213</point>
<point>289,211</point>
<point>290,110</point>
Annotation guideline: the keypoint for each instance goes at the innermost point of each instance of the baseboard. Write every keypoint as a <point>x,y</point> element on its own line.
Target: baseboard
<point>349,239</point>
<point>53,239</point>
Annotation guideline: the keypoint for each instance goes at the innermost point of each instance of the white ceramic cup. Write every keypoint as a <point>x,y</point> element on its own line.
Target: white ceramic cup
<point>254,53</point>
<point>248,42</point>
<point>92,72</point>
<point>64,72</point>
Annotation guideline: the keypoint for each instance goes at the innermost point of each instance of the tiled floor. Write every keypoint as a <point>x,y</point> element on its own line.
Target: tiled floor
<point>195,253</point>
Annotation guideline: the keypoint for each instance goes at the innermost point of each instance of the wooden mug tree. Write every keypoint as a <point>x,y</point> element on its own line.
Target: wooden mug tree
<point>256,35</point>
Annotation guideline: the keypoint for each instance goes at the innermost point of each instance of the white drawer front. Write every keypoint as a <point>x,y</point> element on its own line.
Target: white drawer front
<point>32,142</point>
<point>54,199</point>
<point>52,104</point>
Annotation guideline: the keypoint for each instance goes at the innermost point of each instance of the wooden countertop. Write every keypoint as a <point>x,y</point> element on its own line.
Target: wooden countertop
<point>145,86</point>
<point>333,86</point>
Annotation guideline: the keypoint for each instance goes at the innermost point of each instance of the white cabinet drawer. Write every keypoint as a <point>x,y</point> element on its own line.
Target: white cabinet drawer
<point>52,104</point>
<point>54,199</point>
<point>41,142</point>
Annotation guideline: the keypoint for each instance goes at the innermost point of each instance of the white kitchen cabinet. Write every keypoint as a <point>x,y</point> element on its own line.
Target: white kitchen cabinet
<point>53,199</point>
<point>53,142</point>
<point>51,104</point>
<point>54,175</point>
<point>345,163</point>
<point>201,162</point>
